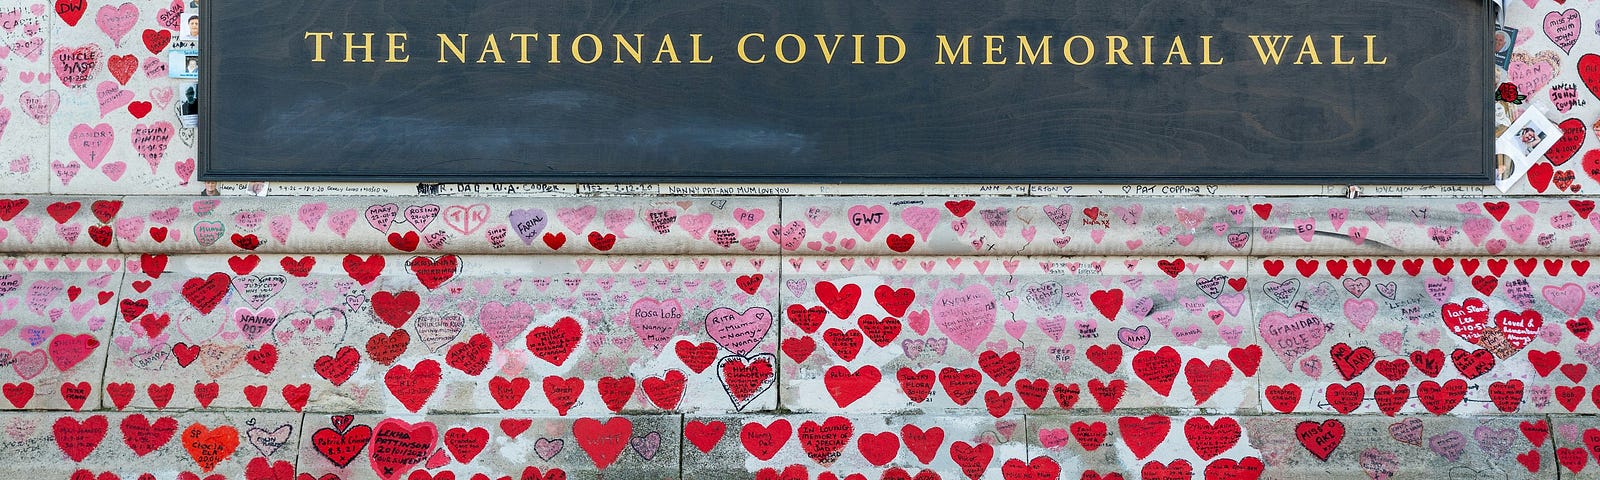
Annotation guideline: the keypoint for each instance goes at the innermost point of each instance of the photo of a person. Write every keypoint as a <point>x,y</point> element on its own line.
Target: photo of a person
<point>183,63</point>
<point>191,27</point>
<point>1530,138</point>
<point>189,106</point>
<point>1521,144</point>
<point>191,102</point>
<point>1503,168</point>
<point>1504,39</point>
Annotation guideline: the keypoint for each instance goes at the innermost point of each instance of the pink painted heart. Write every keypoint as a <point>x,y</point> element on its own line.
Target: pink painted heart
<point>112,96</point>
<point>169,18</point>
<point>31,49</point>
<point>1568,298</point>
<point>1563,28</point>
<point>503,323</point>
<point>576,219</point>
<point>1360,312</point>
<point>117,21</point>
<point>1134,338</point>
<point>1289,337</point>
<point>310,214</point>
<point>64,171</point>
<point>739,332</point>
<point>1518,229</point>
<point>1532,72</point>
<point>655,322</point>
<point>151,141</point>
<point>29,364</point>
<point>185,171</point>
<point>867,221</point>
<point>91,143</point>
<point>748,218</point>
<point>695,224</point>
<point>921,219</point>
<point>156,67</point>
<point>75,66</point>
<point>161,96</point>
<point>114,170</point>
<point>40,107</point>
<point>617,221</point>
<point>466,219</point>
<point>967,316</point>
<point>382,216</point>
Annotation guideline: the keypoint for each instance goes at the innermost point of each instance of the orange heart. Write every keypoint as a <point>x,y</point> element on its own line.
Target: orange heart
<point>210,446</point>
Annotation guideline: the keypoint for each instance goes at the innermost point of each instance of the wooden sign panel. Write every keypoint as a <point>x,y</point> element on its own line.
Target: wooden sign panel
<point>1200,91</point>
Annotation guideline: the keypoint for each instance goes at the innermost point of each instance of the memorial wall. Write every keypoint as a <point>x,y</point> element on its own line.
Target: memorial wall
<point>169,311</point>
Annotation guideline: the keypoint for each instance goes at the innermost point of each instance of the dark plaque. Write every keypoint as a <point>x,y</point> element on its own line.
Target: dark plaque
<point>1196,91</point>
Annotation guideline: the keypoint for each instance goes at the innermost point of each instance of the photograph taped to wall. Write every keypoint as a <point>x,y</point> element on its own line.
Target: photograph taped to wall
<point>183,64</point>
<point>190,27</point>
<point>1523,143</point>
<point>188,105</point>
<point>1505,38</point>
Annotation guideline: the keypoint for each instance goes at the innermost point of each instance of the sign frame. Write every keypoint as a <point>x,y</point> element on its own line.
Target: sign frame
<point>211,168</point>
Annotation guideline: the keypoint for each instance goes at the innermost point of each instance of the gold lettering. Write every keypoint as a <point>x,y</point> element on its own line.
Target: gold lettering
<point>1205,47</point>
<point>459,50</point>
<point>555,53</point>
<point>1371,46</point>
<point>798,41</point>
<point>317,38</point>
<point>1148,47</point>
<point>1031,55</point>
<point>946,52</point>
<point>1177,49</point>
<point>350,47</point>
<point>694,39</point>
<point>993,44</point>
<point>827,50</point>
<point>632,49</point>
<point>397,45</point>
<point>745,57</point>
<point>1088,45</point>
<point>1338,50</point>
<point>1270,47</point>
<point>491,46</point>
<point>1116,46</point>
<point>667,48</point>
<point>1307,48</point>
<point>594,40</point>
<point>857,38</point>
<point>900,49</point>
<point>522,39</point>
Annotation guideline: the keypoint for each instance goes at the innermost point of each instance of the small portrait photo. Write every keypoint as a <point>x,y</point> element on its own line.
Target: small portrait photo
<point>183,63</point>
<point>1505,39</point>
<point>188,105</point>
<point>1522,144</point>
<point>1528,138</point>
<point>190,28</point>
